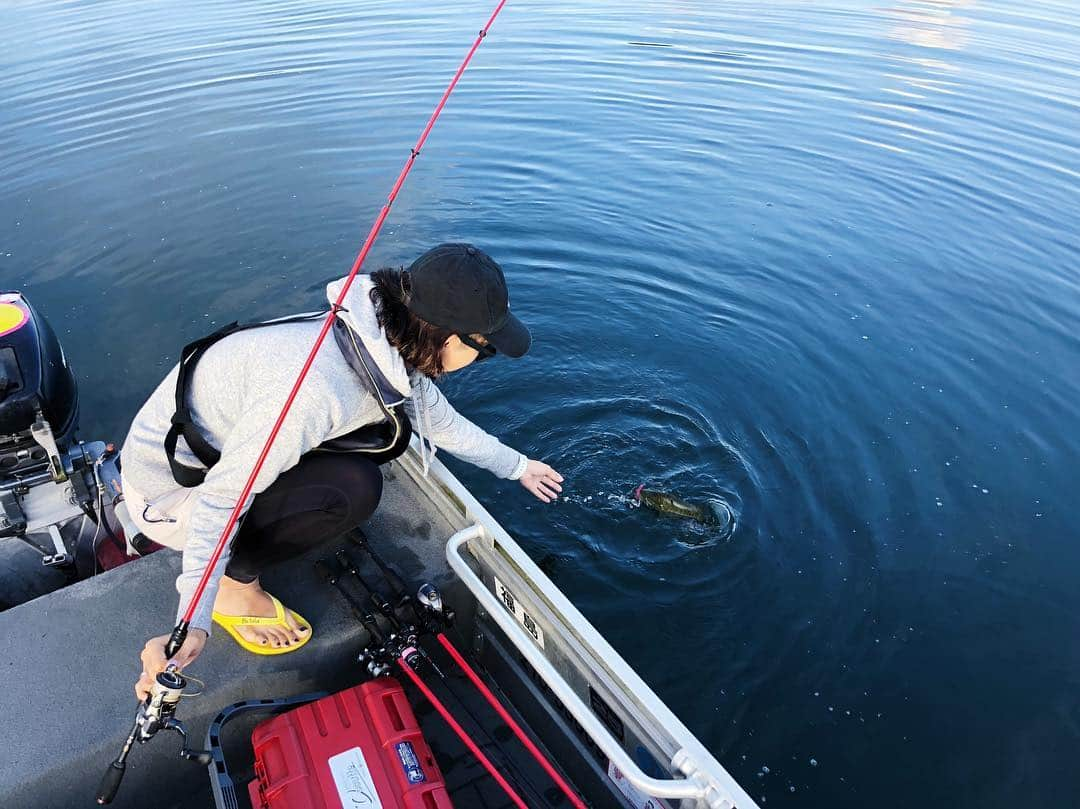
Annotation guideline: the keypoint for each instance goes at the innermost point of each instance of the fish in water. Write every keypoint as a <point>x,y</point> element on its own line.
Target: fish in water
<point>715,513</point>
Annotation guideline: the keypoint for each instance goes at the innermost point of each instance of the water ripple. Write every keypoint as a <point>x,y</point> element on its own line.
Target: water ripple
<point>819,260</point>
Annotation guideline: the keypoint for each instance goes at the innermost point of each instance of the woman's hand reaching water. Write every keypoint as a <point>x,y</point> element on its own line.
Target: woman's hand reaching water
<point>542,481</point>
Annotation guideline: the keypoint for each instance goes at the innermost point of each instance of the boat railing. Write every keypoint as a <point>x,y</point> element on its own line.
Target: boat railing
<point>618,712</point>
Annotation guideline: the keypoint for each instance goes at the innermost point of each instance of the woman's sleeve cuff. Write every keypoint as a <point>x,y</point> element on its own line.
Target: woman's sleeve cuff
<point>519,470</point>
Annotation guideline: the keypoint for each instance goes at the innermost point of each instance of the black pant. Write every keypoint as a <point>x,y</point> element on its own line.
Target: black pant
<point>319,499</point>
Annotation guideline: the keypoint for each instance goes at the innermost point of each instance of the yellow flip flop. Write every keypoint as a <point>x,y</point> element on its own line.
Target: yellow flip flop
<point>230,622</point>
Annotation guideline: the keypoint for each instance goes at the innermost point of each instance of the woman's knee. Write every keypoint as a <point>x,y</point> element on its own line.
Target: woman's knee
<point>361,483</point>
<point>338,488</point>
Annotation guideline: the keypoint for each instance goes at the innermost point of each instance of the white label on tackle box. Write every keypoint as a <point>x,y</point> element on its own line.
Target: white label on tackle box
<point>513,605</point>
<point>353,780</point>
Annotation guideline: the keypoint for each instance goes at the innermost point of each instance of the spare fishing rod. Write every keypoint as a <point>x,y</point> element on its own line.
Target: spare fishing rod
<point>430,598</point>
<point>111,782</point>
<point>374,596</point>
<point>401,647</point>
<point>407,664</point>
<point>402,633</point>
<point>406,631</point>
<point>432,614</point>
<point>428,602</point>
<point>397,587</point>
<point>368,656</point>
<point>427,606</point>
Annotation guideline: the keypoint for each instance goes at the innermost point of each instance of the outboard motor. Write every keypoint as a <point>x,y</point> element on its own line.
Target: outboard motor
<point>56,492</point>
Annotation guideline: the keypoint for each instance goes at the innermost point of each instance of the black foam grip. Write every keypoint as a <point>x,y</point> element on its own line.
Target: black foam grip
<point>141,543</point>
<point>110,783</point>
<point>201,757</point>
<point>324,571</point>
<point>176,640</point>
<point>396,584</point>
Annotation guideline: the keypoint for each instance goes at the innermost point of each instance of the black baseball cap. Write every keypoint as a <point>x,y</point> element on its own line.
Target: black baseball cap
<point>460,287</point>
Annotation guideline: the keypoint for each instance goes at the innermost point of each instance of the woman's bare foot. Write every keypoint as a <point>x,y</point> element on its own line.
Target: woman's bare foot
<point>239,598</point>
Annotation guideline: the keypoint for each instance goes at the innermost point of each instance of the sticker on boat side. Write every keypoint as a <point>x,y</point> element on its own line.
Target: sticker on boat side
<point>633,795</point>
<point>514,606</point>
<point>353,780</point>
<point>12,318</point>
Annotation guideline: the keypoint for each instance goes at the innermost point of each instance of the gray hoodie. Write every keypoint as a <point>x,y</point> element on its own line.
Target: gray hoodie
<point>237,391</point>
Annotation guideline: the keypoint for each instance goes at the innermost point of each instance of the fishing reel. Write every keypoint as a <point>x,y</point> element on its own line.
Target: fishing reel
<point>433,616</point>
<point>434,610</point>
<point>156,713</point>
<point>402,642</point>
<point>379,660</point>
<point>374,662</point>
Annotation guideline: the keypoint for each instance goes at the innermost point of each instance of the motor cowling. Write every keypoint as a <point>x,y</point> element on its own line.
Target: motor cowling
<point>34,373</point>
<point>61,512</point>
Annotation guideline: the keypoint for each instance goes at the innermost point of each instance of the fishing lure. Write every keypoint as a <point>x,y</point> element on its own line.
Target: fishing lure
<point>714,513</point>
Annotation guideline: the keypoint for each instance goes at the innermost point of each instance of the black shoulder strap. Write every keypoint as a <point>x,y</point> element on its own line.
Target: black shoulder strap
<point>182,425</point>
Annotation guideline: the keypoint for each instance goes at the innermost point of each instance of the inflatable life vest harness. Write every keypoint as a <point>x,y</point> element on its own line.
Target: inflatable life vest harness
<point>382,441</point>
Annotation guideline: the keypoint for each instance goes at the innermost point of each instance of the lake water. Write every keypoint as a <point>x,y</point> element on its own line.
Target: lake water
<point>820,260</point>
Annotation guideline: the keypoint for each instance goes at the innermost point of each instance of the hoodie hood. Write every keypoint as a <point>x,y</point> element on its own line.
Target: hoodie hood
<point>359,315</point>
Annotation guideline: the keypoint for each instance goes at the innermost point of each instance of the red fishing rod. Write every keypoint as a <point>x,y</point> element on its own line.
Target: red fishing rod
<point>401,647</point>
<point>429,609</point>
<point>156,712</point>
<point>408,664</point>
<point>179,634</point>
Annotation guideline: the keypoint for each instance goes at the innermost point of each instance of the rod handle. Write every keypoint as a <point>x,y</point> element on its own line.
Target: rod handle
<point>176,640</point>
<point>110,782</point>
<point>381,604</point>
<point>346,563</point>
<point>325,573</point>
<point>397,586</point>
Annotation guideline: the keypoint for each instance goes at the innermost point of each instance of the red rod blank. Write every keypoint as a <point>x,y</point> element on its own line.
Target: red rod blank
<point>372,234</point>
<point>460,731</point>
<point>493,701</point>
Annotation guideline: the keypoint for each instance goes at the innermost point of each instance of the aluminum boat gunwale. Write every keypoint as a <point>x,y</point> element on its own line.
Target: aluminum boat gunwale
<point>70,662</point>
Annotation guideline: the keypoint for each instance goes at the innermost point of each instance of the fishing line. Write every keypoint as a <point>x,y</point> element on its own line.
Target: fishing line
<point>198,682</point>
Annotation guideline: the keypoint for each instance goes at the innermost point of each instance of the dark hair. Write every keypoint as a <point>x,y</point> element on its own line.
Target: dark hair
<point>418,342</point>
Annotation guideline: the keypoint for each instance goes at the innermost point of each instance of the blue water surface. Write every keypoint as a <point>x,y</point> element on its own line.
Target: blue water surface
<point>820,260</point>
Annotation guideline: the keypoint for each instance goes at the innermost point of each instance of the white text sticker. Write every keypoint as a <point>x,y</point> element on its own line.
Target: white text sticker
<point>523,618</point>
<point>353,780</point>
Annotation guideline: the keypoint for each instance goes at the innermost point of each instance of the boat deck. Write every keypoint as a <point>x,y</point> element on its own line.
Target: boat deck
<point>71,659</point>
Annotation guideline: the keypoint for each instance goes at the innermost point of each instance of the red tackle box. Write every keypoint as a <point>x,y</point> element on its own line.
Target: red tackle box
<point>361,747</point>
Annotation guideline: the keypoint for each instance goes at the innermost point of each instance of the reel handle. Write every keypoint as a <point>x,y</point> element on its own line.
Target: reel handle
<point>110,782</point>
